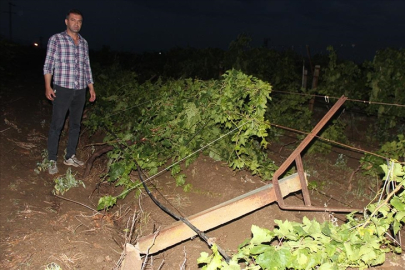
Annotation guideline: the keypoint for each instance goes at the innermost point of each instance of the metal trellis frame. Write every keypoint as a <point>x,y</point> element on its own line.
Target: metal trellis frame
<point>296,156</point>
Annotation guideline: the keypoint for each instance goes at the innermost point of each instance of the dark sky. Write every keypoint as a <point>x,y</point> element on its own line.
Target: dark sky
<point>356,28</point>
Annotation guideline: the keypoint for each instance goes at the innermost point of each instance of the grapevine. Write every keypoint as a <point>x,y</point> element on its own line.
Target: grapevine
<point>177,118</point>
<point>358,243</point>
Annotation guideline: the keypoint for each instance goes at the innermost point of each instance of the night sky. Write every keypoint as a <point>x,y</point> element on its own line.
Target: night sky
<point>356,28</point>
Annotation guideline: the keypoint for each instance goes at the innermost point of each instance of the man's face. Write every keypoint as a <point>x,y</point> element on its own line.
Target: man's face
<point>74,22</point>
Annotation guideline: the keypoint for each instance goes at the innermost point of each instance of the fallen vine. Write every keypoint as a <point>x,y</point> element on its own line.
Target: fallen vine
<point>176,118</point>
<point>359,243</point>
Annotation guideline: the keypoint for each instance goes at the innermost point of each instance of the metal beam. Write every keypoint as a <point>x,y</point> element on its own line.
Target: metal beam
<point>217,215</point>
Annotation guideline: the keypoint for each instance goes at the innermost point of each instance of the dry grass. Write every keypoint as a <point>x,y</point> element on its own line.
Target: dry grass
<point>178,201</point>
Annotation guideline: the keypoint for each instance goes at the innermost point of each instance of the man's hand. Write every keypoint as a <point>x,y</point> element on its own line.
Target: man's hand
<point>92,93</point>
<point>49,93</point>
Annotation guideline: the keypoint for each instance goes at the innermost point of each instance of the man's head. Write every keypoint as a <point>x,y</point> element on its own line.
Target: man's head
<point>74,21</point>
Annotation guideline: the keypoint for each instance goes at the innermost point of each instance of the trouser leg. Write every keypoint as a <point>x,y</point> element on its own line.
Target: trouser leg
<point>75,117</point>
<point>59,111</point>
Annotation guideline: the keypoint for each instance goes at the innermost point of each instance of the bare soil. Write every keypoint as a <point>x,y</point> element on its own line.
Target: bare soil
<point>38,228</point>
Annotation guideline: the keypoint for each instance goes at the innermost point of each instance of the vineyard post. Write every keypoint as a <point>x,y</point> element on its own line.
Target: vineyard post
<point>304,76</point>
<point>315,79</point>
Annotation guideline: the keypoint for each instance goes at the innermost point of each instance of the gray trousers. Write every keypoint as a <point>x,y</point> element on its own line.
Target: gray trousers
<point>66,100</point>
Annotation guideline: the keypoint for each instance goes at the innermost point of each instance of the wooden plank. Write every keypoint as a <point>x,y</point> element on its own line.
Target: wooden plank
<point>217,215</point>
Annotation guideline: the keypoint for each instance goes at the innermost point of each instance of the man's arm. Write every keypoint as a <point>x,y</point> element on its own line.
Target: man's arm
<point>49,66</point>
<point>92,92</point>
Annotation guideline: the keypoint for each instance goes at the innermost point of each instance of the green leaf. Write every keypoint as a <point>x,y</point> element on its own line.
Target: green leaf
<point>261,235</point>
<point>325,229</point>
<point>302,258</point>
<point>204,258</point>
<point>328,266</point>
<point>106,202</point>
<point>398,203</point>
<point>259,249</point>
<point>180,180</point>
<point>400,216</point>
<point>271,260</point>
<point>116,170</point>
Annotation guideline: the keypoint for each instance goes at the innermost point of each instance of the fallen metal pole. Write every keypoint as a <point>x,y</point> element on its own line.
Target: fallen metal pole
<point>296,156</point>
<point>217,215</point>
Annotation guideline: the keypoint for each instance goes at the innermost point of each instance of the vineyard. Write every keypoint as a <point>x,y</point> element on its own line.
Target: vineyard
<point>159,115</point>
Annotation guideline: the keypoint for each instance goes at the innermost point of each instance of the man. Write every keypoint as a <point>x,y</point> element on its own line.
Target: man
<point>67,62</point>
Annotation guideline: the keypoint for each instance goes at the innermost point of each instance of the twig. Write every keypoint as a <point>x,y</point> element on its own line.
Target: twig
<point>100,143</point>
<point>352,175</point>
<point>82,204</point>
<point>5,129</point>
<point>183,265</point>
<point>147,253</point>
<point>127,240</point>
<point>17,99</point>
<point>161,265</point>
<point>382,204</point>
<point>81,223</point>
<point>284,145</point>
<point>132,227</point>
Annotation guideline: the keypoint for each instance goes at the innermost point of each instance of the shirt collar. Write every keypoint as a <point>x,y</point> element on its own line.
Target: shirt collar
<point>67,35</point>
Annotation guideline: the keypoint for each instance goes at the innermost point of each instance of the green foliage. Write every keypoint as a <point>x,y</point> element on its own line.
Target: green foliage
<point>289,110</point>
<point>106,202</point>
<point>310,244</point>
<point>379,81</point>
<point>281,69</point>
<point>236,56</point>
<point>66,182</point>
<point>157,120</point>
<point>53,266</point>
<point>386,78</point>
<point>343,78</point>
<point>192,63</point>
<point>44,164</point>
<point>154,123</point>
<point>333,132</point>
<point>394,150</point>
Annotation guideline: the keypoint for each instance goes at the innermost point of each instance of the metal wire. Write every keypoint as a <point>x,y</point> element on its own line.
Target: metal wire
<point>349,99</point>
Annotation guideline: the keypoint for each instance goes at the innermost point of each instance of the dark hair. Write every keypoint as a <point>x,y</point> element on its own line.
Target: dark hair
<point>74,11</point>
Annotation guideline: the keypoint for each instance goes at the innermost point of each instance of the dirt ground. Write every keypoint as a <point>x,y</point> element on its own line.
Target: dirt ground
<point>38,229</point>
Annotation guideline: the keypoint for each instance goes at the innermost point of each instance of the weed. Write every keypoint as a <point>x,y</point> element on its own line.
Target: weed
<point>65,182</point>
<point>53,266</point>
<point>341,161</point>
<point>15,201</point>
<point>315,185</point>
<point>13,187</point>
<point>312,185</point>
<point>187,187</point>
<point>44,164</point>
<point>179,201</point>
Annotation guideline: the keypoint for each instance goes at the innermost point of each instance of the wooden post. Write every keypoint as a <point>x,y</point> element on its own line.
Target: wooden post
<point>304,77</point>
<point>315,79</point>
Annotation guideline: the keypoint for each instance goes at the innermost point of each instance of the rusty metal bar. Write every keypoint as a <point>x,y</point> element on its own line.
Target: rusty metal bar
<point>217,215</point>
<point>304,186</point>
<point>296,155</point>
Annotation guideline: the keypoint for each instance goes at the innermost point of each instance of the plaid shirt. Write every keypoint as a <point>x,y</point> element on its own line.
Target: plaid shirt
<point>68,63</point>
